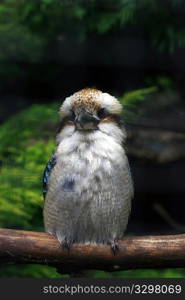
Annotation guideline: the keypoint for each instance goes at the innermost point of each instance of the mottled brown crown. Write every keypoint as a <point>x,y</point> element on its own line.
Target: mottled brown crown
<point>87,98</point>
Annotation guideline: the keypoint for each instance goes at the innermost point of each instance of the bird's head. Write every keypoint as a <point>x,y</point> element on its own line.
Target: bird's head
<point>89,108</point>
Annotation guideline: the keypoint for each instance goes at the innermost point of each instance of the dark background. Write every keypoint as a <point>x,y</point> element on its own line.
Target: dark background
<point>134,50</point>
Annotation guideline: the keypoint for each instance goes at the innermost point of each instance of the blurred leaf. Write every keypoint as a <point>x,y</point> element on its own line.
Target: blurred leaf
<point>136,95</point>
<point>132,100</point>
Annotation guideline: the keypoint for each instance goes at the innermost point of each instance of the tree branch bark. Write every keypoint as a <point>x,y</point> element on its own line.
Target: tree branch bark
<point>29,247</point>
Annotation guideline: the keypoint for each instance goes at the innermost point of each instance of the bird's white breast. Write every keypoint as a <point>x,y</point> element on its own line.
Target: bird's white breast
<point>86,153</point>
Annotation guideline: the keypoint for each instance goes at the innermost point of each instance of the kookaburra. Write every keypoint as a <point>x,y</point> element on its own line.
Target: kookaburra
<point>87,183</point>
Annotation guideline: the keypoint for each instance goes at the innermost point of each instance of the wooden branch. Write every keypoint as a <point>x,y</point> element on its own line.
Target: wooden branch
<point>135,252</point>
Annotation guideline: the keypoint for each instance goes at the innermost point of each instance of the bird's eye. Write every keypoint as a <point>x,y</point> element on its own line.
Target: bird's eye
<point>73,114</point>
<point>101,113</point>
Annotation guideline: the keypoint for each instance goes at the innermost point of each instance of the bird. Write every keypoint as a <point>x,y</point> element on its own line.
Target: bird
<point>87,183</point>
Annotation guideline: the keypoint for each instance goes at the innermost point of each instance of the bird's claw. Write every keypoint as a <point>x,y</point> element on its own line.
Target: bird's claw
<point>114,247</point>
<point>66,244</point>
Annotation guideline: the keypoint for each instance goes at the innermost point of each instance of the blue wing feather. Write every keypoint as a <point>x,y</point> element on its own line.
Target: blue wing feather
<point>48,169</point>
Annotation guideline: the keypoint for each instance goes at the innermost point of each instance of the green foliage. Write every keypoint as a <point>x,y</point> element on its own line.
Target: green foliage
<point>28,271</point>
<point>162,82</point>
<point>27,27</point>
<point>31,30</point>
<point>131,99</point>
<point>24,150</point>
<point>27,142</point>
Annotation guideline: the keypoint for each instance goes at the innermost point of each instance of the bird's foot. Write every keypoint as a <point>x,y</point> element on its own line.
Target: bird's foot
<point>114,247</point>
<point>66,244</point>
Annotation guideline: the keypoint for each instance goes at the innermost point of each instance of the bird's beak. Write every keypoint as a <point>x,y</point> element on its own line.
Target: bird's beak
<point>87,121</point>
